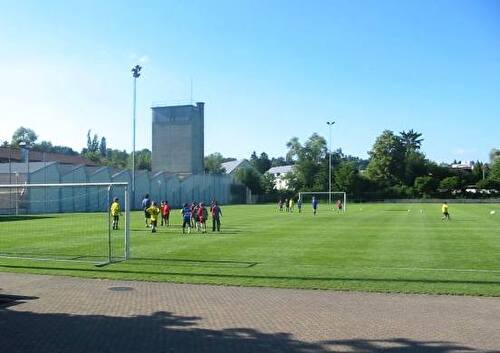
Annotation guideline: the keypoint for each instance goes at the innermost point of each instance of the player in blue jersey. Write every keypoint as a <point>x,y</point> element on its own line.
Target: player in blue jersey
<point>146,203</point>
<point>186,218</point>
<point>314,204</point>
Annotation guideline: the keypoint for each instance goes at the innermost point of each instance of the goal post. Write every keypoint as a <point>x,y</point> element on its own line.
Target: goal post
<point>326,198</point>
<point>64,222</point>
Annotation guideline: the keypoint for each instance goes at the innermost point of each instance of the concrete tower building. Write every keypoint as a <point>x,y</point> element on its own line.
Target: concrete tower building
<point>178,139</point>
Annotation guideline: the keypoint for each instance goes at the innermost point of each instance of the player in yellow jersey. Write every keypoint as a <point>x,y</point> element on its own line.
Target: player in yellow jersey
<point>115,212</point>
<point>444,209</point>
<point>153,211</point>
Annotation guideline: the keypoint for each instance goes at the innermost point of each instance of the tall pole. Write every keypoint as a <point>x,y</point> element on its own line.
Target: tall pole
<point>330,123</point>
<point>136,72</point>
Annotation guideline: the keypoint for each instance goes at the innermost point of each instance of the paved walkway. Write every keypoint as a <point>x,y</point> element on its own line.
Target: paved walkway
<point>47,314</point>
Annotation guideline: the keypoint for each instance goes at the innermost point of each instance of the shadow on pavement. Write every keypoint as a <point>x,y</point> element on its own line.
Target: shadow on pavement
<point>164,332</point>
<point>7,300</point>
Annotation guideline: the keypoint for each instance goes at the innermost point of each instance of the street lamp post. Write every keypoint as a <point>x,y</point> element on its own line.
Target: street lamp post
<point>25,146</point>
<point>330,123</point>
<point>136,72</point>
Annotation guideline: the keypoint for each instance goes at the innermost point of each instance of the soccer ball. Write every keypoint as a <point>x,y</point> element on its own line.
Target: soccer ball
<point>492,212</point>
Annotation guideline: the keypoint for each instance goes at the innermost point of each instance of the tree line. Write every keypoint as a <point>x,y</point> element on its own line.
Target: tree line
<point>96,150</point>
<point>396,167</point>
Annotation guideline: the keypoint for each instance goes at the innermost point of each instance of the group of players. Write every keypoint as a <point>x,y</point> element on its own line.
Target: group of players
<point>287,205</point>
<point>194,215</point>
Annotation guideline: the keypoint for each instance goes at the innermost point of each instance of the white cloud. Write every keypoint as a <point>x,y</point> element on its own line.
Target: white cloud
<point>139,59</point>
<point>143,59</point>
<point>465,153</point>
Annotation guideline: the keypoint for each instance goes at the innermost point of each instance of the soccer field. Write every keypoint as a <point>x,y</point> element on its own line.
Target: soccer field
<point>373,247</point>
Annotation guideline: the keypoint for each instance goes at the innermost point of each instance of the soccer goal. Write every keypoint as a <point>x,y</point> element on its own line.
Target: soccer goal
<point>64,222</point>
<point>328,199</point>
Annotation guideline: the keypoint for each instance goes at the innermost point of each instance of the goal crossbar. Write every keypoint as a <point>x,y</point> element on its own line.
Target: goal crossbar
<point>13,186</point>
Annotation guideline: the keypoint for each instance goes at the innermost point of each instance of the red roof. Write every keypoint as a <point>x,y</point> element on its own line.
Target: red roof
<point>14,154</point>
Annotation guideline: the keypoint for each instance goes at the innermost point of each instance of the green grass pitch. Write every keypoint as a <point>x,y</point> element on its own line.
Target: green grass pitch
<point>373,247</point>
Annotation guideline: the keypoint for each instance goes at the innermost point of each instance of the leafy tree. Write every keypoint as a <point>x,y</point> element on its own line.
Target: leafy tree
<point>488,184</point>
<point>142,159</point>
<point>64,150</point>
<point>213,163</point>
<point>359,162</point>
<point>24,136</point>
<point>102,147</point>
<point>315,148</point>
<point>262,163</point>
<point>92,142</point>
<point>311,167</point>
<point>415,165</point>
<point>278,162</point>
<point>294,149</point>
<point>347,177</point>
<point>495,171</point>
<point>92,150</point>
<point>253,157</point>
<point>386,159</point>
<point>116,158</point>
<point>46,146</point>
<point>250,178</point>
<point>494,155</point>
<point>411,140</point>
<point>439,171</point>
<point>450,183</point>
<point>43,146</point>
<point>426,185</point>
<point>477,172</point>
<point>267,183</point>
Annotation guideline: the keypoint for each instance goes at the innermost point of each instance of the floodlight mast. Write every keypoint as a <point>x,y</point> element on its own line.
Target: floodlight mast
<point>136,72</point>
<point>330,123</point>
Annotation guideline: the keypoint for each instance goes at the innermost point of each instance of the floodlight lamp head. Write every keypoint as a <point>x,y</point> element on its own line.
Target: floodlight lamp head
<point>136,71</point>
<point>330,122</point>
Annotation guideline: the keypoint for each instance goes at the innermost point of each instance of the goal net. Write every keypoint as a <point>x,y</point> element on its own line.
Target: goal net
<point>64,222</point>
<point>335,200</point>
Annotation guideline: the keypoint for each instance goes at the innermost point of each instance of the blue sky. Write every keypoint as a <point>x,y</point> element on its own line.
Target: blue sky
<point>267,70</point>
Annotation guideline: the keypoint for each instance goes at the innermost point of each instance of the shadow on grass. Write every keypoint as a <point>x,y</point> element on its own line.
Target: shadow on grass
<point>55,256</point>
<point>177,230</point>
<point>22,218</point>
<point>192,262</point>
<point>160,332</point>
<point>256,277</point>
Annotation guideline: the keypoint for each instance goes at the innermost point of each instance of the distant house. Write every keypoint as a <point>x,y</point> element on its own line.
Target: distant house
<point>233,166</point>
<point>463,166</point>
<point>279,174</point>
